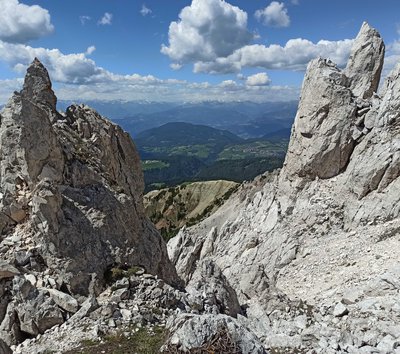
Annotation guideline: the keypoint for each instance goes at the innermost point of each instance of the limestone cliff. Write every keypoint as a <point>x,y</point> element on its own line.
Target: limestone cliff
<point>71,204</point>
<point>322,230</point>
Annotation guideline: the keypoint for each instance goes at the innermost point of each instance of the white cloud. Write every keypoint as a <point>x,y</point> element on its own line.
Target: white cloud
<point>260,79</point>
<point>295,55</point>
<point>176,66</point>
<point>9,86</point>
<point>78,78</point>
<point>106,19</point>
<point>193,92</point>
<point>275,15</point>
<point>71,68</point>
<point>84,19</point>
<point>207,29</point>
<point>90,50</point>
<point>213,35</point>
<point>392,57</point>
<point>20,23</point>
<point>228,84</point>
<point>295,2</point>
<point>145,10</point>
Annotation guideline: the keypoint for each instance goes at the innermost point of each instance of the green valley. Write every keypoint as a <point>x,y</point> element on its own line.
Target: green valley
<point>180,152</point>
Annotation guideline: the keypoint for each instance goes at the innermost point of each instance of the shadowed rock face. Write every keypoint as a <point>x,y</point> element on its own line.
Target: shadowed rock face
<point>71,187</point>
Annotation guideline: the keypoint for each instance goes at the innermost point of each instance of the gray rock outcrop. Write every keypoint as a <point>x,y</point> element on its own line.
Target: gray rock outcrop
<point>71,210</point>
<point>365,64</point>
<point>293,242</point>
<point>73,183</point>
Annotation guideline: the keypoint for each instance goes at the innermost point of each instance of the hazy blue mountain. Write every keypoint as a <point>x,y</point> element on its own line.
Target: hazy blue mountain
<point>122,109</point>
<point>246,119</point>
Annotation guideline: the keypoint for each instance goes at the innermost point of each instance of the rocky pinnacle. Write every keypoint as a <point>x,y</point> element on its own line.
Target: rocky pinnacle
<point>366,62</point>
<point>37,85</point>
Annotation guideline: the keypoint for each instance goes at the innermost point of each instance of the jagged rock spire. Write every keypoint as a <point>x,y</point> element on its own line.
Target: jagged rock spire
<point>366,61</point>
<point>321,142</point>
<point>37,85</point>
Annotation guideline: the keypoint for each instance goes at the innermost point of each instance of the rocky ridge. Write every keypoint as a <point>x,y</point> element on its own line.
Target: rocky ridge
<point>310,249</point>
<point>71,209</point>
<point>301,260</point>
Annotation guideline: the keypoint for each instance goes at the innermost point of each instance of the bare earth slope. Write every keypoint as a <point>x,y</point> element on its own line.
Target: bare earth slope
<point>172,208</point>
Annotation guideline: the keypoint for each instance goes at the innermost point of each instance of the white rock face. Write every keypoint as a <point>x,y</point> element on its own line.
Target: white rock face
<point>291,243</point>
<point>366,62</point>
<point>73,182</point>
<point>71,209</point>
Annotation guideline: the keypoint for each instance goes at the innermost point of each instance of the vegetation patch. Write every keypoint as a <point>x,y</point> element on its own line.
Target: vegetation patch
<point>143,341</point>
<point>118,272</point>
<point>148,165</point>
<point>221,342</point>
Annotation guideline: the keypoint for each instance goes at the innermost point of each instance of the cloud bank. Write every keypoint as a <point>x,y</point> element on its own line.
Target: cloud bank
<point>213,36</point>
<point>20,23</point>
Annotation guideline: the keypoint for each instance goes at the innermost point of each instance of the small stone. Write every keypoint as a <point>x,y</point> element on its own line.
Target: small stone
<point>340,310</point>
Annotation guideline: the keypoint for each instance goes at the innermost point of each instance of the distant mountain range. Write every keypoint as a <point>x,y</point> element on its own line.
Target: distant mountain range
<point>245,119</point>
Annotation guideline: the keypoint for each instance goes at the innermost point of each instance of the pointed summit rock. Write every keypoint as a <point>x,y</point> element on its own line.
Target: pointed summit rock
<point>73,182</point>
<point>37,85</point>
<point>366,61</point>
<point>321,142</point>
<point>322,138</point>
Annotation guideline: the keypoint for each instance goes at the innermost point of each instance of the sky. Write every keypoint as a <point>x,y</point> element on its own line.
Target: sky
<point>184,50</point>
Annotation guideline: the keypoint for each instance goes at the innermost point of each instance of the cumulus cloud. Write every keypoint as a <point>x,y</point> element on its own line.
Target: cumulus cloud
<point>106,19</point>
<point>275,15</point>
<point>176,66</point>
<point>260,79</point>
<point>9,86</point>
<point>392,57</point>
<point>145,10</point>
<point>20,23</point>
<point>295,55</point>
<point>228,84</point>
<point>79,79</point>
<point>90,50</point>
<point>206,30</point>
<point>72,68</point>
<point>84,19</point>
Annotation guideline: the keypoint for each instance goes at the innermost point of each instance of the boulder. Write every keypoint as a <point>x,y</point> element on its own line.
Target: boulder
<point>7,270</point>
<point>215,292</point>
<point>65,301</point>
<point>210,333</point>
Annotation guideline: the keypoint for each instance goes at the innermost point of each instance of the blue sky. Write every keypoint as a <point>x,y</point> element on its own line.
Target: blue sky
<point>183,50</point>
